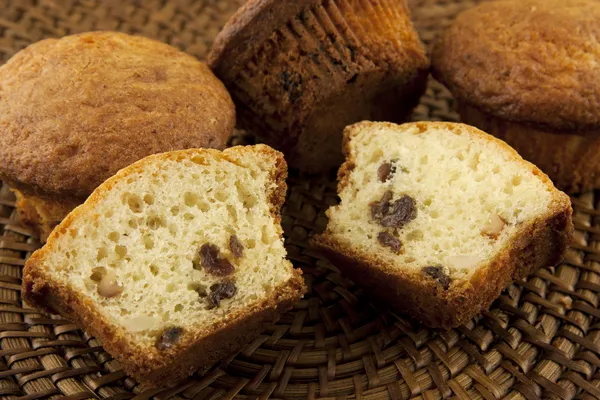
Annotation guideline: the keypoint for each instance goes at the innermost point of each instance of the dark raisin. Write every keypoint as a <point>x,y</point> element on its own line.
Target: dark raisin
<point>380,208</point>
<point>401,212</point>
<point>393,214</point>
<point>214,300</point>
<point>209,254</point>
<point>389,240</point>
<point>387,169</point>
<point>169,338</point>
<point>383,172</point>
<point>436,272</point>
<point>212,263</point>
<point>219,291</point>
<point>237,249</point>
<point>227,289</point>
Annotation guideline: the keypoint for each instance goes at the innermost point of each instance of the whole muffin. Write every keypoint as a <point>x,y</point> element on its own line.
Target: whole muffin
<point>75,110</point>
<point>528,71</point>
<point>300,71</point>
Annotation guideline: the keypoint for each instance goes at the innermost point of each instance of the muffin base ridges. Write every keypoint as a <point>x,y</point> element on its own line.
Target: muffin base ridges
<point>333,50</point>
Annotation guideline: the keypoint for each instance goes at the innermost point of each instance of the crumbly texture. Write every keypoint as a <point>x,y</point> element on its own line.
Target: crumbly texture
<point>173,263</point>
<point>300,71</point>
<point>571,161</point>
<point>535,61</point>
<point>75,110</point>
<point>41,215</point>
<point>438,218</point>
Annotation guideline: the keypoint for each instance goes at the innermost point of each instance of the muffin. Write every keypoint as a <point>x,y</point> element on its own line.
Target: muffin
<point>437,218</point>
<point>75,110</point>
<point>300,71</point>
<point>163,263</point>
<point>527,72</point>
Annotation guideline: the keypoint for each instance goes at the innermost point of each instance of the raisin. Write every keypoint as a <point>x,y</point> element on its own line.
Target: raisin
<point>383,172</point>
<point>387,169</point>
<point>394,214</point>
<point>380,208</point>
<point>169,338</point>
<point>437,273</point>
<point>212,263</point>
<point>237,249</point>
<point>214,300</point>
<point>219,291</point>
<point>401,212</point>
<point>209,254</point>
<point>388,240</point>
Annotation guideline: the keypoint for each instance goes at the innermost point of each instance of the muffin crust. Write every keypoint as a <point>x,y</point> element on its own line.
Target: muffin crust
<point>534,61</point>
<point>300,71</point>
<point>75,110</point>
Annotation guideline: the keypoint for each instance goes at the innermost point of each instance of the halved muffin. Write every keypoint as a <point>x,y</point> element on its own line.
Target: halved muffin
<point>437,218</point>
<point>174,262</point>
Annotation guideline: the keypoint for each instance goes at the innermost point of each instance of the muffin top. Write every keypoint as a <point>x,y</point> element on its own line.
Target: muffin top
<point>533,61</point>
<point>74,111</point>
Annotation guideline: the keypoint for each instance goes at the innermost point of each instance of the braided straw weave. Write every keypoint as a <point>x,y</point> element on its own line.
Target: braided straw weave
<point>541,339</point>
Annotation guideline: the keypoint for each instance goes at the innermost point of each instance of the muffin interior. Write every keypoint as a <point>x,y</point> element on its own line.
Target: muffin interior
<point>178,244</point>
<point>438,196</point>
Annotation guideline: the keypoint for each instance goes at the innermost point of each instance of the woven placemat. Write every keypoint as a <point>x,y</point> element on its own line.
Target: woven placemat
<point>541,339</point>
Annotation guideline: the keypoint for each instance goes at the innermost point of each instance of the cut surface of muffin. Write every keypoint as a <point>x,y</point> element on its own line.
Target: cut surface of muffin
<point>177,254</point>
<point>440,207</point>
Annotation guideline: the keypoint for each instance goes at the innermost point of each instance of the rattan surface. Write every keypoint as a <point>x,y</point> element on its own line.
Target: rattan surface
<point>541,339</point>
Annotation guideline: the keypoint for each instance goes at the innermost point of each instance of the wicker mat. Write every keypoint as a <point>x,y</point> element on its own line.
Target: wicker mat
<point>541,339</point>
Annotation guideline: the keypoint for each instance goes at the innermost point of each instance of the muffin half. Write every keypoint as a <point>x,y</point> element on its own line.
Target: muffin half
<point>527,72</point>
<point>164,262</point>
<point>437,218</point>
<point>300,71</point>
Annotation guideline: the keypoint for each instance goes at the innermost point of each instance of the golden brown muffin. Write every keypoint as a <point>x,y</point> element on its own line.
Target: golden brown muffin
<point>163,315</point>
<point>527,72</point>
<point>75,110</point>
<point>300,71</point>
